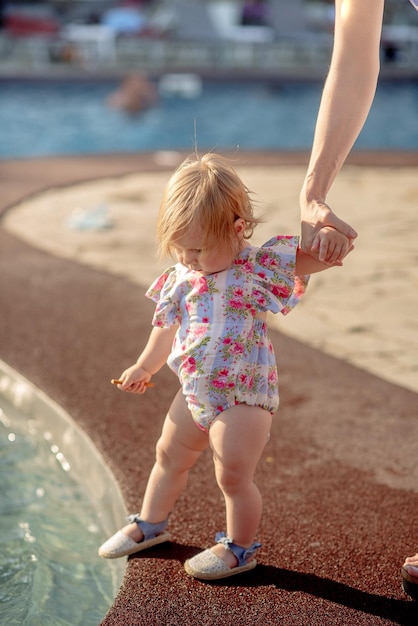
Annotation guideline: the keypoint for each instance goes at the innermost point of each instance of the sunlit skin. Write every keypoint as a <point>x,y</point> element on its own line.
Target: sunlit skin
<point>190,251</point>
<point>183,441</point>
<point>347,97</point>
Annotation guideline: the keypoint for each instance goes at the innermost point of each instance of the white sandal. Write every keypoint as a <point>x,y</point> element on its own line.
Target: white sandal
<point>208,566</point>
<point>121,545</point>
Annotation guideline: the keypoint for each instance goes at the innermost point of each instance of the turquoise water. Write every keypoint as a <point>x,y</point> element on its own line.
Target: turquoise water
<point>42,118</point>
<point>50,574</point>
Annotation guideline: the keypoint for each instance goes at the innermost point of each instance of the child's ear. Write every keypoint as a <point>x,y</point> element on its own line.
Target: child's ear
<point>239,226</point>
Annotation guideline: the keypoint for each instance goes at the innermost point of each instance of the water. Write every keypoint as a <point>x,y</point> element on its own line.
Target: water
<point>50,574</point>
<point>42,118</point>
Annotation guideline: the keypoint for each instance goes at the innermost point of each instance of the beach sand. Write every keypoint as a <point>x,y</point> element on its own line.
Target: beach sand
<point>363,313</point>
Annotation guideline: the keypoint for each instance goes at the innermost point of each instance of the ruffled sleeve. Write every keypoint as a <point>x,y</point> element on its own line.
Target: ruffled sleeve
<point>164,291</point>
<point>276,287</point>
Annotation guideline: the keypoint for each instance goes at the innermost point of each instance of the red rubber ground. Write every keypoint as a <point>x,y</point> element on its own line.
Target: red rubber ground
<point>339,513</point>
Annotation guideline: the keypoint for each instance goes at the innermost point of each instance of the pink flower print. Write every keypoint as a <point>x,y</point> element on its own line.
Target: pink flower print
<point>199,285</point>
<point>281,291</point>
<point>264,259</point>
<point>160,282</point>
<point>261,300</point>
<point>221,380</point>
<point>299,288</point>
<point>247,267</point>
<point>219,383</point>
<point>268,261</point>
<point>199,331</point>
<point>189,365</point>
<point>227,340</point>
<point>236,303</point>
<point>262,274</point>
<point>237,299</point>
<point>272,377</point>
<point>205,320</point>
<point>243,379</point>
<point>237,348</point>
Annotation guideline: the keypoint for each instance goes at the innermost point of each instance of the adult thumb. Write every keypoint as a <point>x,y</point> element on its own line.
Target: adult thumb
<point>341,226</point>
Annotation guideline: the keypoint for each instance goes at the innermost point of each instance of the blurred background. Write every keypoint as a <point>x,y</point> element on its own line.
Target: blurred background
<point>256,36</point>
<point>129,75</point>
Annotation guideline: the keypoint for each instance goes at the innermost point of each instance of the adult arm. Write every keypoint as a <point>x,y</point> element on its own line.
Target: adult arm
<point>346,100</point>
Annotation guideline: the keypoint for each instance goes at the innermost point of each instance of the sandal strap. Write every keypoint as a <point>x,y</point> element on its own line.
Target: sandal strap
<point>150,530</point>
<point>242,554</point>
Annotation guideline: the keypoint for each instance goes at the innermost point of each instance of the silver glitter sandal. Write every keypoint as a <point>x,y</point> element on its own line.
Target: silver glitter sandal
<point>121,545</point>
<point>208,566</point>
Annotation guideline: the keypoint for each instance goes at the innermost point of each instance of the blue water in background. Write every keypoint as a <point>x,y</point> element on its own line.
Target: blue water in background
<point>40,118</point>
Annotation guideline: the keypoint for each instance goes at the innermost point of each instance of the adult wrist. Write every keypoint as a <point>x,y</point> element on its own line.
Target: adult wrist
<point>310,194</point>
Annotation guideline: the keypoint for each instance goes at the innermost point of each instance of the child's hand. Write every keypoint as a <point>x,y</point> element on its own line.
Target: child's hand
<point>331,245</point>
<point>315,215</point>
<point>134,379</point>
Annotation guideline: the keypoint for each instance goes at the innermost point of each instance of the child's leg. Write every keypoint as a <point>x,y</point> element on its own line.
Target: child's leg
<point>237,438</point>
<point>178,448</point>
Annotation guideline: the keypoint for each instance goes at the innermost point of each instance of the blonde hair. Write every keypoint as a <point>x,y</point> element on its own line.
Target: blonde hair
<point>204,193</point>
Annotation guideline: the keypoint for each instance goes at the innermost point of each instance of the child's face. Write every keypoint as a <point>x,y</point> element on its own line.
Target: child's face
<point>190,251</point>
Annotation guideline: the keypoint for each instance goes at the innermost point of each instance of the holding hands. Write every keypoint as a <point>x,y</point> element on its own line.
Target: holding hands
<point>324,235</point>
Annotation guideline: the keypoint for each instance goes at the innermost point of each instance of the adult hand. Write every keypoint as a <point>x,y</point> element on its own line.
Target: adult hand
<point>322,243</point>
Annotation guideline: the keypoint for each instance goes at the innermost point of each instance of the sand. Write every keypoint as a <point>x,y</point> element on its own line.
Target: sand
<point>364,313</point>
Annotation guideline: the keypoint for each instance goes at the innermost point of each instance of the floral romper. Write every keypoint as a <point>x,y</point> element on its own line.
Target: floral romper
<point>221,351</point>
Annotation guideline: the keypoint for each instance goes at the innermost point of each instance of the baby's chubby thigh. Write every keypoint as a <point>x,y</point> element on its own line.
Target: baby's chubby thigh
<point>238,436</point>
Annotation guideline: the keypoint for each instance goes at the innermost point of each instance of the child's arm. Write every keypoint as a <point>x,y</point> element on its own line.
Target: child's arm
<point>151,360</point>
<point>306,264</point>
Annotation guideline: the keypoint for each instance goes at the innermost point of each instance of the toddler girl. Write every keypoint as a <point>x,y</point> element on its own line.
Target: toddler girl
<point>210,327</point>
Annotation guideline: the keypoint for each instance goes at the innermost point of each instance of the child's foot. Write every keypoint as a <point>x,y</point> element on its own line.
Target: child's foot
<point>135,537</point>
<point>226,555</point>
<point>133,531</point>
<point>222,560</point>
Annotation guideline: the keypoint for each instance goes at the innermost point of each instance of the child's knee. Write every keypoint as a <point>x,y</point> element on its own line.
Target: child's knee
<point>162,454</point>
<point>231,479</point>
<point>174,457</point>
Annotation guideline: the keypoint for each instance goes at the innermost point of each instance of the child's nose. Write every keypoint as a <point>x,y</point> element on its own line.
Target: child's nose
<point>189,257</point>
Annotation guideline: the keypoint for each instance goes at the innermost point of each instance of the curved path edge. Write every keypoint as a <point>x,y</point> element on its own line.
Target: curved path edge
<point>336,476</point>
